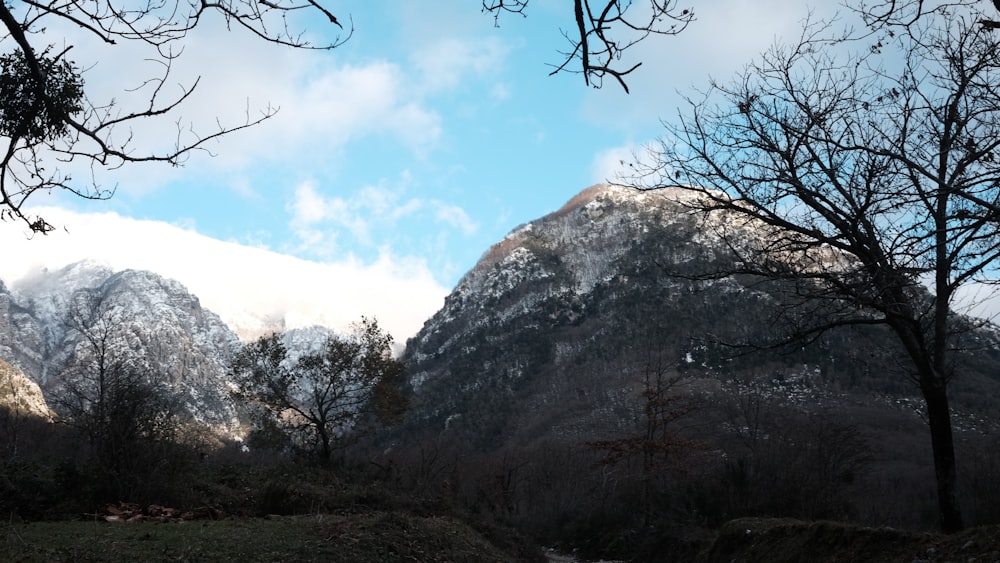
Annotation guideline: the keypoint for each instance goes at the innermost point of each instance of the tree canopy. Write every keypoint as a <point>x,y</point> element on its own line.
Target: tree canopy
<point>319,400</point>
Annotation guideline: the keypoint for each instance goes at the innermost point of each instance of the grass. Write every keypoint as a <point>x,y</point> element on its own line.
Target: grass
<point>377,536</point>
<point>782,540</point>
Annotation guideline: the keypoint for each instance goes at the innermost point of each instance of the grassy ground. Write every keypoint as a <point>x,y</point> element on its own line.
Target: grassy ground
<point>750,540</point>
<point>381,536</point>
<point>399,536</point>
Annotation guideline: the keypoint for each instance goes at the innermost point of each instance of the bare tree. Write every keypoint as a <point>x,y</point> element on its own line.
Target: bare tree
<point>782,459</point>
<point>873,193</point>
<point>319,400</point>
<point>126,411</point>
<point>907,13</point>
<point>659,442</point>
<point>46,118</point>
<point>604,30</point>
<point>48,121</point>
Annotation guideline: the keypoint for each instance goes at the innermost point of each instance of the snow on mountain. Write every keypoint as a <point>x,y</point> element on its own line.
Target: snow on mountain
<point>255,290</point>
<point>153,322</point>
<point>299,342</point>
<point>568,252</point>
<point>553,331</point>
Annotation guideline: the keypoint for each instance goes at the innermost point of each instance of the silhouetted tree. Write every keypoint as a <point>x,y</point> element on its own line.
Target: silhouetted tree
<point>872,192</point>
<point>908,13</point>
<point>47,118</point>
<point>603,30</point>
<point>320,400</point>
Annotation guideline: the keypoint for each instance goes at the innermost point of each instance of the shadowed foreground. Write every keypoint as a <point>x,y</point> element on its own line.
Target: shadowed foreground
<point>397,536</point>
<point>790,541</point>
<point>380,536</point>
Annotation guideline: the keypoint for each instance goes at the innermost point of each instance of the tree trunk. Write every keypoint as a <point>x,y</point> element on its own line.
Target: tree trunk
<point>325,451</point>
<point>943,445</point>
<point>934,387</point>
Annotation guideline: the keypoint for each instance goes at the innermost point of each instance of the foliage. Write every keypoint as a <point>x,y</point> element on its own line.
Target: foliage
<point>320,400</point>
<point>33,111</point>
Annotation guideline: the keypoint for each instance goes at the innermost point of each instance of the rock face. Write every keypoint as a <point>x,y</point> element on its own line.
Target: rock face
<point>144,319</point>
<point>558,327</point>
<point>20,395</point>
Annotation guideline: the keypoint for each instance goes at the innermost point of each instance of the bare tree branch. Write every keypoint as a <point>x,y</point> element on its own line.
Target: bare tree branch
<point>45,115</point>
<point>873,193</point>
<point>601,36</point>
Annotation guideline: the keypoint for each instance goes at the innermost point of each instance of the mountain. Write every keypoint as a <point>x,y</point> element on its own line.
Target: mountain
<point>556,333</point>
<point>147,320</point>
<point>559,329</point>
<point>51,322</point>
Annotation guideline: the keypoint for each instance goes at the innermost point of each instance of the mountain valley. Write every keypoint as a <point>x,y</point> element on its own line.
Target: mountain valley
<point>584,369</point>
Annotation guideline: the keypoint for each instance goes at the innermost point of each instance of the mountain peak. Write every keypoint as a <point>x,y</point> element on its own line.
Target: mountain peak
<point>617,193</point>
<point>590,194</point>
<point>69,278</point>
<point>548,333</point>
<point>152,321</point>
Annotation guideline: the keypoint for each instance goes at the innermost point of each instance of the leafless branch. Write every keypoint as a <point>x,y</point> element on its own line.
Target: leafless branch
<point>603,31</point>
<point>52,119</point>
<point>871,192</point>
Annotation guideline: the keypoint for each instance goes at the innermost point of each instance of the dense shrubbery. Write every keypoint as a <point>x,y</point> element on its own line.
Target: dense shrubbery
<point>562,494</point>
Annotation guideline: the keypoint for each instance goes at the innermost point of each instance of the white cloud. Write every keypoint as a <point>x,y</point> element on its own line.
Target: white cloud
<point>373,210</point>
<point>979,299</point>
<point>349,101</point>
<point>308,207</point>
<point>444,64</point>
<point>455,216</point>
<point>323,104</point>
<point>609,165</point>
<point>246,286</point>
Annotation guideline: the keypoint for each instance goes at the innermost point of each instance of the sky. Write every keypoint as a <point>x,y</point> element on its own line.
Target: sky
<point>393,162</point>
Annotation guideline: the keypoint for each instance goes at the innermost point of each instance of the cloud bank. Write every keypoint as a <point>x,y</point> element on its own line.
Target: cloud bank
<point>252,289</point>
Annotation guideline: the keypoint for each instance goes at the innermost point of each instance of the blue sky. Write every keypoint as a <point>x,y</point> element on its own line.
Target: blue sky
<point>404,153</point>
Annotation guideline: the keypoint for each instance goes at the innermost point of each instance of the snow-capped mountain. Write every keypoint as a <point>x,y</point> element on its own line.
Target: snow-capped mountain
<point>149,321</point>
<point>49,322</point>
<point>554,332</point>
<point>551,334</point>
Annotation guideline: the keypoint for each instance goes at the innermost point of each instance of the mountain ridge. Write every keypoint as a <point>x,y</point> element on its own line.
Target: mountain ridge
<point>577,302</point>
<point>153,323</point>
